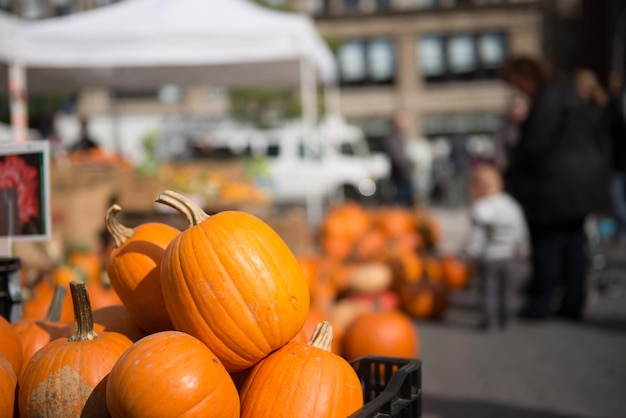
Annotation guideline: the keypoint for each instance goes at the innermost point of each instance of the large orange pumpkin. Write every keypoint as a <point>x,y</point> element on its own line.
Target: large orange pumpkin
<point>302,380</point>
<point>10,345</point>
<point>384,333</point>
<point>8,384</point>
<point>233,283</point>
<point>134,269</point>
<point>66,378</point>
<point>34,334</point>
<point>176,369</point>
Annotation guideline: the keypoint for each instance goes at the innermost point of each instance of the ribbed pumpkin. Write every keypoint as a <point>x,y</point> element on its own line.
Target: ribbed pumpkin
<point>302,380</point>
<point>232,282</point>
<point>384,333</point>
<point>8,383</point>
<point>134,269</point>
<point>176,369</point>
<point>36,334</point>
<point>10,345</point>
<point>66,378</point>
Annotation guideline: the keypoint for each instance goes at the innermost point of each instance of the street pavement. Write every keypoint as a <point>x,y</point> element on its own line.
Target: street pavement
<point>549,369</point>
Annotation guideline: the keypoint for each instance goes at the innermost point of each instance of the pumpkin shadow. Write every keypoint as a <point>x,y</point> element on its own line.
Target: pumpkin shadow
<point>440,407</point>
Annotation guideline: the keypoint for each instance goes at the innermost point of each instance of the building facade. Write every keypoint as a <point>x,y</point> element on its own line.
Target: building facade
<point>437,60</point>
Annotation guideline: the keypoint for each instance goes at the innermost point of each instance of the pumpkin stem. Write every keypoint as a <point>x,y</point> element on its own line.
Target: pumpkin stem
<point>194,213</point>
<point>119,232</point>
<point>83,317</point>
<point>56,305</point>
<point>322,336</point>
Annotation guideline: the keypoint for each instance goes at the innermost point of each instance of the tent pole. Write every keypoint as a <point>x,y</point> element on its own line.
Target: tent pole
<point>308,93</point>
<point>19,102</point>
<point>332,100</point>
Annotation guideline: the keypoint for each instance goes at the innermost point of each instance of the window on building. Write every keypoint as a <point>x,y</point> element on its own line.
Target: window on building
<point>33,9</point>
<point>367,62</point>
<point>431,57</point>
<point>352,62</point>
<point>351,4</point>
<point>463,56</point>
<point>383,4</point>
<point>380,60</point>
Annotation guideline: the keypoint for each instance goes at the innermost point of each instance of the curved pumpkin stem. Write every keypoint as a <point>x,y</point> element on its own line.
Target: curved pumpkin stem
<point>56,305</point>
<point>83,317</point>
<point>119,232</point>
<point>322,336</point>
<point>194,213</point>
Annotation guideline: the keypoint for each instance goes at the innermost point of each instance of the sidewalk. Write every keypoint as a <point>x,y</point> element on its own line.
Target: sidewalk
<point>549,369</point>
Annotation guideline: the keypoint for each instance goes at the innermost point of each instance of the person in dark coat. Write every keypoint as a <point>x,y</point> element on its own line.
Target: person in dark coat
<point>559,175</point>
<point>401,166</point>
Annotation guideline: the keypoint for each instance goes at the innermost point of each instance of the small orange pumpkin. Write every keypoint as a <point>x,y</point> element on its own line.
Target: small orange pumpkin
<point>65,378</point>
<point>11,345</point>
<point>178,370</point>
<point>8,385</point>
<point>243,291</point>
<point>34,334</point>
<point>455,272</point>
<point>134,269</point>
<point>332,387</point>
<point>384,333</point>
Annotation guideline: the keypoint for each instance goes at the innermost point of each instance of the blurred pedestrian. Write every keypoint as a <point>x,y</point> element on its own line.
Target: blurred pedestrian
<point>458,184</point>
<point>559,175</point>
<point>85,141</point>
<point>587,85</point>
<point>419,152</point>
<point>496,238</point>
<point>506,137</point>
<point>401,167</point>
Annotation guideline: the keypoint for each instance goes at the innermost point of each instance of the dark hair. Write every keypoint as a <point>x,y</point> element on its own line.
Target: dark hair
<point>534,69</point>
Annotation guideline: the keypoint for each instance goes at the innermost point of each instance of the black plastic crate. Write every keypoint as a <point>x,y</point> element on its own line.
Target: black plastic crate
<point>392,387</point>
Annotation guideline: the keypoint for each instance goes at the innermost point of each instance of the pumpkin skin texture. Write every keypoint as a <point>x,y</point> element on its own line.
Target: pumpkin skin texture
<point>134,268</point>
<point>302,380</point>
<point>232,282</point>
<point>390,333</point>
<point>8,383</point>
<point>67,377</point>
<point>177,369</point>
<point>11,345</point>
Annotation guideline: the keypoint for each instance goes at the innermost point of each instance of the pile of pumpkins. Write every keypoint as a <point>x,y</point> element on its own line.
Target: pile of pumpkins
<point>215,320</point>
<point>379,262</point>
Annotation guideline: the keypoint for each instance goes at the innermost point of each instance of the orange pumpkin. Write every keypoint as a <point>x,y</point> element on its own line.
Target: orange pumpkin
<point>88,261</point>
<point>455,272</point>
<point>8,385</point>
<point>332,387</point>
<point>134,269</point>
<point>384,333</point>
<point>66,378</point>
<point>243,291</point>
<point>37,305</point>
<point>34,334</point>
<point>177,369</point>
<point>101,293</point>
<point>424,299</point>
<point>11,345</point>
<point>115,318</point>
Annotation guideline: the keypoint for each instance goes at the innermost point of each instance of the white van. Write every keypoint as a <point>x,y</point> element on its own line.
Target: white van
<point>306,166</point>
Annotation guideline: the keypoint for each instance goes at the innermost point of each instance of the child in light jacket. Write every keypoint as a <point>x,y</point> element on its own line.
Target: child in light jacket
<point>497,236</point>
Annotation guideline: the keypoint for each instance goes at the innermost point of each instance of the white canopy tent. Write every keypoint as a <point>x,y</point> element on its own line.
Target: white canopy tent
<point>147,43</point>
